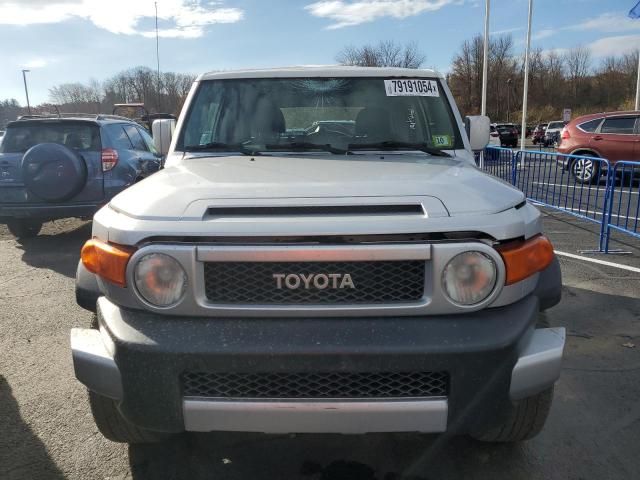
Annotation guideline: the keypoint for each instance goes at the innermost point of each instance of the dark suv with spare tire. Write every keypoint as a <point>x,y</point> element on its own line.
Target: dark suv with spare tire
<point>60,167</point>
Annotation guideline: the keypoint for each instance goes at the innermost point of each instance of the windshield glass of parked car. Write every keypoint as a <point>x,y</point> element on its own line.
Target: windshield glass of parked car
<point>76,135</point>
<point>292,114</point>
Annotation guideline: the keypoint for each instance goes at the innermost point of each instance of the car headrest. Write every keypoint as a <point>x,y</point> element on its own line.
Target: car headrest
<point>73,140</point>
<point>268,120</point>
<point>374,122</point>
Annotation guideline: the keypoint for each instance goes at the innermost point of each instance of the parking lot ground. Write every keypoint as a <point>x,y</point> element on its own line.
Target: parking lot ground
<point>46,430</point>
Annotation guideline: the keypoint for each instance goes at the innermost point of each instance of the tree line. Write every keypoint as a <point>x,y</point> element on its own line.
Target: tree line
<point>558,79</point>
<point>136,85</point>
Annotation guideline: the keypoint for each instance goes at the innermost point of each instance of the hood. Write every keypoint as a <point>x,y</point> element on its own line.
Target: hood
<point>452,186</point>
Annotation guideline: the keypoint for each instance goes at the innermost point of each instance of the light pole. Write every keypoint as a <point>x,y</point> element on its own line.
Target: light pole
<point>485,67</point>
<point>26,90</point>
<point>526,80</point>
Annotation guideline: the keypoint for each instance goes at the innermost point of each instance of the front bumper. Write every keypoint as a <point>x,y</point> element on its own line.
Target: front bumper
<point>493,357</point>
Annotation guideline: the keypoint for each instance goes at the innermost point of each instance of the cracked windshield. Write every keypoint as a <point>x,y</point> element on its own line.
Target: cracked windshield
<point>319,240</point>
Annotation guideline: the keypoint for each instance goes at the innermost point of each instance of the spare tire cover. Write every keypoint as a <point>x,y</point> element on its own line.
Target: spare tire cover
<point>53,172</point>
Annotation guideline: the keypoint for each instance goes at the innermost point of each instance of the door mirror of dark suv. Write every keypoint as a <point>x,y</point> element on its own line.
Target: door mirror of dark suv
<point>478,127</point>
<point>162,131</point>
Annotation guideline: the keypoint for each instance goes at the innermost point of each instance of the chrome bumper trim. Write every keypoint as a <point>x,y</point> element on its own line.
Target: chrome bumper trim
<point>331,416</point>
<point>317,253</point>
<point>539,364</point>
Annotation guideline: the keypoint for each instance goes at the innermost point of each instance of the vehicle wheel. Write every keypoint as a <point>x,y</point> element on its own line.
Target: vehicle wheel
<point>585,171</point>
<point>524,421</point>
<point>115,427</point>
<point>22,229</point>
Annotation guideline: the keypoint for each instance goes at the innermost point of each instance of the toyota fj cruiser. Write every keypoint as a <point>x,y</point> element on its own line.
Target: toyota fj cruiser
<point>321,254</point>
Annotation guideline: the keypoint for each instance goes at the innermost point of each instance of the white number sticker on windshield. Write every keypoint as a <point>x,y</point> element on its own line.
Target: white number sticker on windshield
<point>408,87</point>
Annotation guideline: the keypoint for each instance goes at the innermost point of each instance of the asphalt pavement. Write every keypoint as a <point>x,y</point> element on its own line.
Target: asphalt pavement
<point>46,429</point>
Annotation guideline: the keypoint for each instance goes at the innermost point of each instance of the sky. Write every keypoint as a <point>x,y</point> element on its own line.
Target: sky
<point>62,41</point>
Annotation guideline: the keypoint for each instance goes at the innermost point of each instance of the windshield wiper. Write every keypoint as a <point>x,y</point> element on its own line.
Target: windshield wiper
<point>393,145</point>
<point>221,147</point>
<point>302,146</point>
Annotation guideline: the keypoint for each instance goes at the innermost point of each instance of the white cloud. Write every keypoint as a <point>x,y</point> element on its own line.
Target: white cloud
<point>609,23</point>
<point>36,63</point>
<point>606,23</point>
<point>545,33</point>
<point>345,13</point>
<point>505,31</point>
<point>179,18</point>
<point>614,45</point>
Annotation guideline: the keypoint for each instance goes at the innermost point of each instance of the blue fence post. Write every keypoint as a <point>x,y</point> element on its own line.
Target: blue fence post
<point>514,168</point>
<point>606,214</point>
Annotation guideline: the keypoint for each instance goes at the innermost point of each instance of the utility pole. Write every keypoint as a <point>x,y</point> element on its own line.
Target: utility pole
<point>638,85</point>
<point>26,90</point>
<point>526,80</point>
<point>157,55</point>
<point>635,13</point>
<point>485,67</point>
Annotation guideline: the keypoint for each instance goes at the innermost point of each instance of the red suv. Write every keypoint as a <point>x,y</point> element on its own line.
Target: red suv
<point>613,135</point>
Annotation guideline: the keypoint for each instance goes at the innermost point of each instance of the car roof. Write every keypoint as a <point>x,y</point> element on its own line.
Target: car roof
<point>321,71</point>
<point>99,119</point>
<point>593,116</point>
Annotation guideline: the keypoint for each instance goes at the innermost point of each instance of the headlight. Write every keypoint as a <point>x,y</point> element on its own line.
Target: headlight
<point>469,278</point>
<point>160,279</point>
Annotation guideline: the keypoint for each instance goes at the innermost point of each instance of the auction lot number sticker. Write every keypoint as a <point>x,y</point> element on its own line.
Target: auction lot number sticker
<point>410,87</point>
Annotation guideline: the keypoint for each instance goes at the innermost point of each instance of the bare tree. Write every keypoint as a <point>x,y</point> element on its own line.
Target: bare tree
<point>577,61</point>
<point>137,84</point>
<point>384,54</point>
<point>465,78</point>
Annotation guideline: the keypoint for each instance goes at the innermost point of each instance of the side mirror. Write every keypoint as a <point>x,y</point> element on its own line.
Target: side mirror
<point>478,127</point>
<point>162,131</point>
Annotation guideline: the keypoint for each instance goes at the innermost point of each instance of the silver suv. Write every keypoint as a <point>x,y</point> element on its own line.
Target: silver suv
<point>321,254</point>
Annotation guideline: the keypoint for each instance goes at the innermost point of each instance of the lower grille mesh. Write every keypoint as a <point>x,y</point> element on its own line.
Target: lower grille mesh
<point>316,385</point>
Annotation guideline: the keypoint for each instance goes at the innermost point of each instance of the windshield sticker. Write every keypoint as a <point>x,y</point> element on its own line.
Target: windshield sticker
<point>408,87</point>
<point>441,140</point>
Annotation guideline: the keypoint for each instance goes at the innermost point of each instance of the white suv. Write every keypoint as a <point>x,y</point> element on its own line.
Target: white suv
<point>321,255</point>
<point>552,133</point>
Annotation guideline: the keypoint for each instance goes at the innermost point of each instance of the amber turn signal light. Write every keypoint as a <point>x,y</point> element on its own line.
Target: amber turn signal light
<point>106,260</point>
<point>523,259</point>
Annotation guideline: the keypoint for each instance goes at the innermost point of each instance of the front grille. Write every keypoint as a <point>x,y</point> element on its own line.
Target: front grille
<point>373,282</point>
<point>316,385</point>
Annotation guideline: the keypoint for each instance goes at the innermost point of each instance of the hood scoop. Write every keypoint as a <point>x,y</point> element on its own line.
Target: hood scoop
<point>314,210</point>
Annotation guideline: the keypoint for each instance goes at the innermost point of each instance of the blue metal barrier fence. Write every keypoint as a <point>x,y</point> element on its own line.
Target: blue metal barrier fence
<point>586,187</point>
<point>624,201</point>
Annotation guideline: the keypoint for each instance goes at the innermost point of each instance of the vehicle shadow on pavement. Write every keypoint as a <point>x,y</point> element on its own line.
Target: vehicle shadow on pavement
<point>22,454</point>
<point>322,457</point>
<point>56,250</point>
